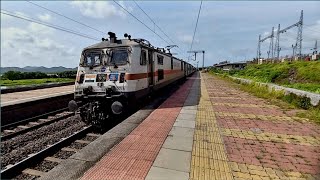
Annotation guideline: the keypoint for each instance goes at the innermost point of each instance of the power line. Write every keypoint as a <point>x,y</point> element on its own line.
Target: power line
<point>195,29</point>
<point>47,24</point>
<point>66,17</point>
<point>310,29</point>
<point>154,23</point>
<point>140,21</point>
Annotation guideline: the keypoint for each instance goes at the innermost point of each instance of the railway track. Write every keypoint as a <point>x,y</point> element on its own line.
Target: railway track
<point>35,152</point>
<point>45,154</point>
<point>26,125</point>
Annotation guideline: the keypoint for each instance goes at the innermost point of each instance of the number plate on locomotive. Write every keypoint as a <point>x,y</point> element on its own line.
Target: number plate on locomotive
<point>113,77</point>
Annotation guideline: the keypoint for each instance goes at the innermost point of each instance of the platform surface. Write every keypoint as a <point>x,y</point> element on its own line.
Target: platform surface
<point>211,130</point>
<point>25,96</point>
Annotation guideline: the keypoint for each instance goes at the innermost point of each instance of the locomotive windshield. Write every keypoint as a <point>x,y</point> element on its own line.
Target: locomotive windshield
<point>119,57</point>
<point>92,59</point>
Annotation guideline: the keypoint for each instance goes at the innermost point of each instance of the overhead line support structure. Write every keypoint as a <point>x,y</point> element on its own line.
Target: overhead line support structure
<point>277,48</point>
<point>195,55</point>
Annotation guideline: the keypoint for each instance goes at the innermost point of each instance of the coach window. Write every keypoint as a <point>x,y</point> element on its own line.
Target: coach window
<point>181,65</point>
<point>160,59</point>
<point>143,59</point>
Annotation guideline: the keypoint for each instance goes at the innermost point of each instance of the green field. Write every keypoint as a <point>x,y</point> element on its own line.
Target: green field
<point>301,75</point>
<point>34,81</point>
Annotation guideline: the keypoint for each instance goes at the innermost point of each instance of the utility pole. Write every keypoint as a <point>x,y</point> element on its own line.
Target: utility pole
<point>277,45</point>
<point>315,49</point>
<point>271,44</point>
<point>299,36</point>
<point>195,55</point>
<point>293,51</point>
<point>258,50</point>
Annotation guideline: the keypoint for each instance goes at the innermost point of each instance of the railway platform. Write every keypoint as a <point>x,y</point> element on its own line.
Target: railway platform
<point>32,95</point>
<point>209,129</point>
<point>22,105</point>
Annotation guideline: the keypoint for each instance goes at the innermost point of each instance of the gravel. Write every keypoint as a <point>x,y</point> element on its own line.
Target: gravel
<point>76,145</point>
<point>20,147</point>
<point>63,154</point>
<point>25,177</point>
<point>45,166</point>
<point>89,138</point>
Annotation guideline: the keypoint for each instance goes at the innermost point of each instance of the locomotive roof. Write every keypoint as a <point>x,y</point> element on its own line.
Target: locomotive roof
<point>125,42</point>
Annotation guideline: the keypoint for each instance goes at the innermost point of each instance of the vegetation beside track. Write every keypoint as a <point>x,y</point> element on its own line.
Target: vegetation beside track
<point>34,81</point>
<point>301,75</point>
<point>300,106</point>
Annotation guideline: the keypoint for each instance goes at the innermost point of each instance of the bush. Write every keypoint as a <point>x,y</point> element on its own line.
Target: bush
<point>17,75</point>
<point>67,74</point>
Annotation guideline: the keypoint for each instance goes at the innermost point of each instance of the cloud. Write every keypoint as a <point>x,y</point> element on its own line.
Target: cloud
<point>187,39</point>
<point>40,29</point>
<point>45,17</point>
<point>32,45</point>
<point>100,9</point>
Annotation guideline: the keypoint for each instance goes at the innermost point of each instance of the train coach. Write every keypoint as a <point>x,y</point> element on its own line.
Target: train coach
<point>114,73</point>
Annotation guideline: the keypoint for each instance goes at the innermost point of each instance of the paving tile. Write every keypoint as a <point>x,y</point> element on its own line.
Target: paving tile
<point>178,143</point>
<point>133,157</point>
<point>185,124</point>
<point>173,159</point>
<point>190,117</point>
<point>180,131</point>
<point>261,140</point>
<point>157,173</point>
<point>188,111</point>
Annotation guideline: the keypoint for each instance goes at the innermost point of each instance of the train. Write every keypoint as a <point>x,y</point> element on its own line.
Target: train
<point>115,73</point>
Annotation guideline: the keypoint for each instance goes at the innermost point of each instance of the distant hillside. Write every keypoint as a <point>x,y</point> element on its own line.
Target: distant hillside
<point>35,69</point>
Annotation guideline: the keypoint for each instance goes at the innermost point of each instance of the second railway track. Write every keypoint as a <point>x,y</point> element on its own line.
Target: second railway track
<point>14,129</point>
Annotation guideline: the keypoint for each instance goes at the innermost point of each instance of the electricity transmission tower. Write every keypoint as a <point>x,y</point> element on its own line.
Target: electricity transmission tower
<point>277,48</point>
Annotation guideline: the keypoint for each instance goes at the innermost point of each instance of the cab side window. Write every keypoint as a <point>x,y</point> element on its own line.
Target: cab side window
<point>160,59</point>
<point>143,58</point>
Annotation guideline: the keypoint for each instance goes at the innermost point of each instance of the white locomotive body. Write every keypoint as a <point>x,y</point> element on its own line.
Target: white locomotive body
<point>114,73</point>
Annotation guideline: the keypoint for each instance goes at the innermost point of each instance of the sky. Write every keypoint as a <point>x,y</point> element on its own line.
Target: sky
<point>227,30</point>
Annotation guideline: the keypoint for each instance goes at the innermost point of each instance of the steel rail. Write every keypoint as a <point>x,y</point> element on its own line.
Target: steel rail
<point>7,126</point>
<point>13,134</point>
<point>15,169</point>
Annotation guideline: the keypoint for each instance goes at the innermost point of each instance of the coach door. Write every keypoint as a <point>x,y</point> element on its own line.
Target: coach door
<point>150,68</point>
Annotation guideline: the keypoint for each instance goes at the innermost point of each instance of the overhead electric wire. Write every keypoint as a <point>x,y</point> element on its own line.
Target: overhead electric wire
<point>140,21</point>
<point>310,29</point>
<point>195,29</point>
<point>47,24</point>
<point>66,17</point>
<point>152,21</point>
<point>155,24</point>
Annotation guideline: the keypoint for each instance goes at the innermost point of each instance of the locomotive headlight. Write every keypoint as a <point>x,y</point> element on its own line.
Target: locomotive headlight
<point>116,107</point>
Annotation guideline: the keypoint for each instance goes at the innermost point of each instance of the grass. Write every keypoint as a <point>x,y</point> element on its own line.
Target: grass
<point>278,98</point>
<point>301,75</point>
<point>34,81</point>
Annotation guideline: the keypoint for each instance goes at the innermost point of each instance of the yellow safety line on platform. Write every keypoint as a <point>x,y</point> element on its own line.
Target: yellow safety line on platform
<point>209,158</point>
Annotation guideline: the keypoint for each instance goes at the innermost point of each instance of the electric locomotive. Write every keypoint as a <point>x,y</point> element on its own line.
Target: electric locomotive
<point>116,72</point>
